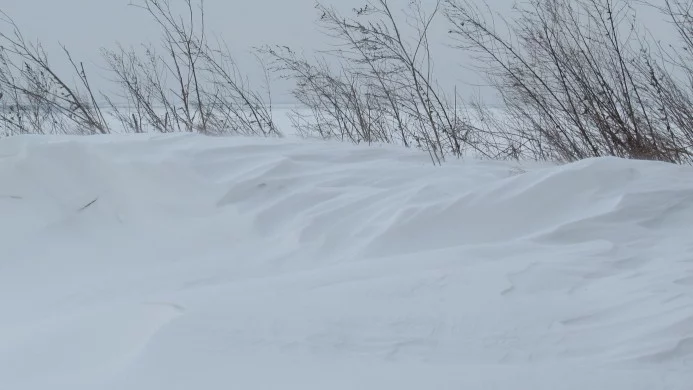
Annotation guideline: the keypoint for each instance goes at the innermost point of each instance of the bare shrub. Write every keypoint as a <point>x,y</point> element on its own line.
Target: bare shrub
<point>147,105</point>
<point>236,105</point>
<point>340,104</point>
<point>578,79</point>
<point>674,93</point>
<point>34,98</point>
<point>207,94</point>
<point>384,90</point>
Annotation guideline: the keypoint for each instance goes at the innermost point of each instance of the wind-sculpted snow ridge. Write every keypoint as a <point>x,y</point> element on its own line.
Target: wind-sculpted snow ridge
<point>186,262</point>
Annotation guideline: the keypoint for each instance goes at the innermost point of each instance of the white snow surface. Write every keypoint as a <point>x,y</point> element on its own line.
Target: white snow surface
<point>187,262</point>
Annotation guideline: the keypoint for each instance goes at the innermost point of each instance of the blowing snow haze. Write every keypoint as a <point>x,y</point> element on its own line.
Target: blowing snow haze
<point>86,26</point>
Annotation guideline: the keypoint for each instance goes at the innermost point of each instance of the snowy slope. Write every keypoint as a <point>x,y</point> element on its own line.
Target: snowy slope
<point>184,262</point>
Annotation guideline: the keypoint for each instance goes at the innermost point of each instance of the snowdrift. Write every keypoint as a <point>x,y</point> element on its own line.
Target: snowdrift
<point>186,262</point>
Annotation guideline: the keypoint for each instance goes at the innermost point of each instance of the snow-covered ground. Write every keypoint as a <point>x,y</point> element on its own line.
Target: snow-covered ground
<point>184,262</point>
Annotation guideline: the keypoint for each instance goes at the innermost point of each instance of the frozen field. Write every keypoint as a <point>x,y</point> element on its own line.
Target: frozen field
<point>183,262</point>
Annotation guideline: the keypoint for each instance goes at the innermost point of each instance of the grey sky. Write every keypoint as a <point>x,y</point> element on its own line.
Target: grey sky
<point>85,26</point>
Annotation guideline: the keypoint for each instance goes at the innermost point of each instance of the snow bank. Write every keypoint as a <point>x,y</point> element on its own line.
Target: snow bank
<point>185,262</point>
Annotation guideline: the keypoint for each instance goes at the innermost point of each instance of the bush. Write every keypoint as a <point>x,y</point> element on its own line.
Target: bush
<point>384,89</point>
<point>579,79</point>
<point>34,99</point>
<point>207,92</point>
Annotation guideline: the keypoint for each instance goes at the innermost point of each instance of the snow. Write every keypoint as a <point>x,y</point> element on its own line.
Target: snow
<point>186,262</point>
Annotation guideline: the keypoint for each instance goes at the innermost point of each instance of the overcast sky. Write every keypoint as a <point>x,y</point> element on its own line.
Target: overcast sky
<point>85,26</point>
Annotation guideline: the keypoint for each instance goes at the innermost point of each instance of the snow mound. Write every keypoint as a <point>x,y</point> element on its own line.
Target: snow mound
<point>182,262</point>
